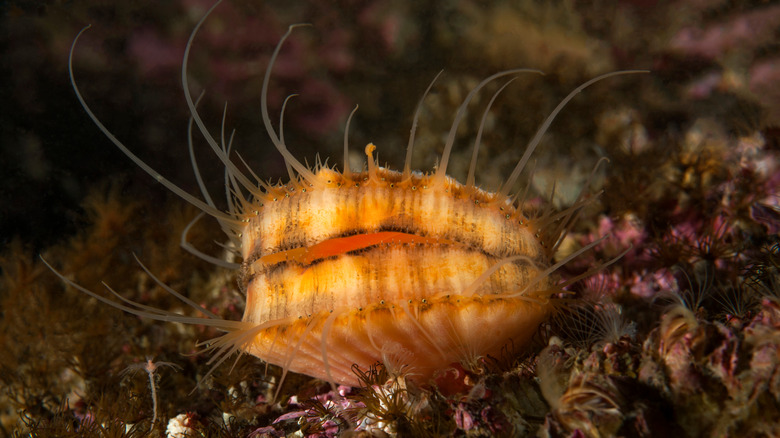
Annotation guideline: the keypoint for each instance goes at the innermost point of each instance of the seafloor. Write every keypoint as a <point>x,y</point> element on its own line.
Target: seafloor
<point>679,337</point>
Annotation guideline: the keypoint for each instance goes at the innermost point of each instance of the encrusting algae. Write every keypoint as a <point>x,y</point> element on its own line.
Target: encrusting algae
<point>678,337</point>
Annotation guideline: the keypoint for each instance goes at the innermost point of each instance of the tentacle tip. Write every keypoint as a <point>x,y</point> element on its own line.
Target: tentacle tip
<point>370,148</point>
<point>296,25</point>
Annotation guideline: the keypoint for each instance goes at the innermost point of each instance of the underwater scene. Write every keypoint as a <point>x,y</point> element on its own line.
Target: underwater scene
<point>635,159</point>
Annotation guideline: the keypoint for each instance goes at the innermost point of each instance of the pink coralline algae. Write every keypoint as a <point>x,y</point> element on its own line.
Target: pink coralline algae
<point>742,32</point>
<point>671,382</point>
<point>748,31</point>
<point>711,357</point>
<point>156,56</point>
<point>741,49</point>
<point>648,284</point>
<point>625,234</point>
<point>323,416</point>
<point>238,57</point>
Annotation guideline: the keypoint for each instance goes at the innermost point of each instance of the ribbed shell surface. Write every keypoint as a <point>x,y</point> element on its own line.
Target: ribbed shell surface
<point>393,298</point>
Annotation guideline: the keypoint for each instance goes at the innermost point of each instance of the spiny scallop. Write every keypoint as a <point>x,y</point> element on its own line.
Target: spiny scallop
<point>412,269</point>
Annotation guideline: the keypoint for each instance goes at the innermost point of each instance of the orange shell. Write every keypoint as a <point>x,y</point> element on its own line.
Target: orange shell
<point>424,302</point>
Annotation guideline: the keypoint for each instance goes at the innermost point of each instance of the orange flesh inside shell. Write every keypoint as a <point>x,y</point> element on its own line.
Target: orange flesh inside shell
<point>342,245</point>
